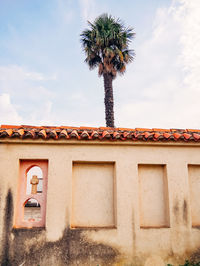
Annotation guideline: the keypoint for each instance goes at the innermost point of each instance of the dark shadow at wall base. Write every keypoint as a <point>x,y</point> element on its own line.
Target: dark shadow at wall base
<point>71,249</point>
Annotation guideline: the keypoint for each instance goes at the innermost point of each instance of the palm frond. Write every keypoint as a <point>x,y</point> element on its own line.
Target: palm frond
<point>106,43</point>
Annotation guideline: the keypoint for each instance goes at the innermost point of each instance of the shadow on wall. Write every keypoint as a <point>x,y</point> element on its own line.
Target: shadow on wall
<point>8,218</point>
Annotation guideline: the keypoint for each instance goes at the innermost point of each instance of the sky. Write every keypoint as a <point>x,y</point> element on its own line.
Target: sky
<point>45,81</point>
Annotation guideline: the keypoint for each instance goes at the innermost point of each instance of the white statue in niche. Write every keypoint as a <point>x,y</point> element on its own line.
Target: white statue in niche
<point>34,171</point>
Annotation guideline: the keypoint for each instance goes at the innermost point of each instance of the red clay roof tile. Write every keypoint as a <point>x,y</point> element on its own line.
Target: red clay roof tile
<point>187,136</point>
<point>166,135</point>
<point>143,129</point>
<point>147,134</point>
<point>87,128</point>
<point>21,132</point>
<point>68,127</point>
<point>94,134</point>
<point>124,129</point>
<point>161,130</point>
<point>126,134</point>
<point>156,135</point>
<point>53,134</point>
<point>177,136</point>
<point>43,133</point>
<point>103,133</point>
<point>193,130</point>
<point>74,134</point>
<point>196,136</point>
<point>106,128</point>
<point>84,134</point>
<point>9,126</point>
<point>116,135</point>
<point>9,132</point>
<point>63,133</point>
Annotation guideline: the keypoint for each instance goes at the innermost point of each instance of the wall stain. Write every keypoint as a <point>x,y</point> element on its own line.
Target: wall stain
<point>176,211</point>
<point>71,249</point>
<point>195,257</point>
<point>7,227</point>
<point>30,248</point>
<point>185,210</point>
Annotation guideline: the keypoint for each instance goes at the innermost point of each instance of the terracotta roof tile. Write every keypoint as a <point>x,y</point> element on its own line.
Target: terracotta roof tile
<point>64,134</point>
<point>135,135</point>
<point>187,136</point>
<point>106,128</point>
<point>105,134</point>
<point>74,134</point>
<point>126,134</point>
<point>102,133</point>
<point>116,135</point>
<point>156,135</point>
<point>28,126</point>
<point>53,134</point>
<point>87,128</point>
<point>68,127</point>
<point>193,130</point>
<point>147,134</point>
<point>29,134</point>
<point>9,126</point>
<point>9,132</point>
<point>166,135</point>
<point>177,136</point>
<point>85,135</point>
<point>94,134</point>
<point>143,129</point>
<point>21,132</point>
<point>42,133</point>
<point>124,129</point>
<point>161,130</point>
<point>196,136</point>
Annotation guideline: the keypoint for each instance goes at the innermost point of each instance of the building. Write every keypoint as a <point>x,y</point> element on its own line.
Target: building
<point>99,196</point>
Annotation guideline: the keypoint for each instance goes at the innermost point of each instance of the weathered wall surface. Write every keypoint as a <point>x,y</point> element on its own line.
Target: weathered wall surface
<point>140,203</point>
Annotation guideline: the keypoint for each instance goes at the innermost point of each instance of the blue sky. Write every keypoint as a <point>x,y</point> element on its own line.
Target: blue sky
<point>44,80</point>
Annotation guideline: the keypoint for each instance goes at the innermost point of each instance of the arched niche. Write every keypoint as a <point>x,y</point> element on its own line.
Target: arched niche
<point>32,210</point>
<point>34,171</point>
<point>32,192</point>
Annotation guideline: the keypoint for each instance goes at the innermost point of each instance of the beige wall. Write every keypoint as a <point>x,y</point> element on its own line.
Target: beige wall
<point>93,195</point>
<point>194,185</point>
<point>146,212</point>
<point>153,195</point>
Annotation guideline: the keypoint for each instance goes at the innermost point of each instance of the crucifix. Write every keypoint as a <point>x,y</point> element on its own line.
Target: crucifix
<point>34,182</point>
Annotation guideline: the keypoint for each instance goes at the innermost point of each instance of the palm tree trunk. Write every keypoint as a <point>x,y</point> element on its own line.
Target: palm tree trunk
<point>108,100</point>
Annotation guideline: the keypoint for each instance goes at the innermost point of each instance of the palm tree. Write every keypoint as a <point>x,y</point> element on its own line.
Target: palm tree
<point>106,47</point>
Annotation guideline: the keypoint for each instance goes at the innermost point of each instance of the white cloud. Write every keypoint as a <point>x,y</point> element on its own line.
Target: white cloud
<point>32,99</point>
<point>163,84</point>
<point>15,72</point>
<point>42,115</point>
<point>39,116</point>
<point>9,114</point>
<point>189,17</point>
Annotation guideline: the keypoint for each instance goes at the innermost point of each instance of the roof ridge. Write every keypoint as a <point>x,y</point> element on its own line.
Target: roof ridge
<point>101,133</point>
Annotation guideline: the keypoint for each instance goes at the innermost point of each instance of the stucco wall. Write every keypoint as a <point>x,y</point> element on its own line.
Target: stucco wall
<point>117,227</point>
